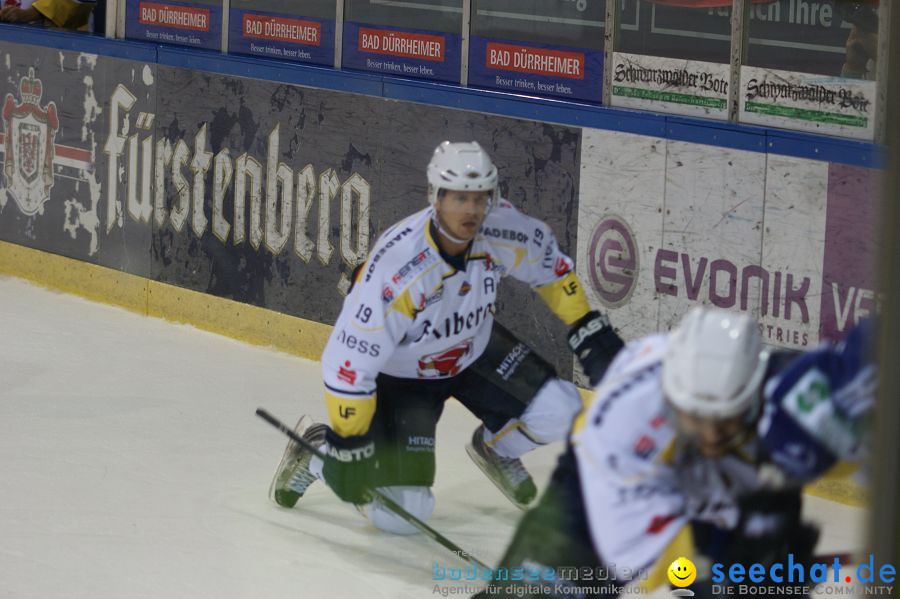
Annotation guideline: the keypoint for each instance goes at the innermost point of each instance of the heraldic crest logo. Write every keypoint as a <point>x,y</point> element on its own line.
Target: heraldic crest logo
<point>29,136</point>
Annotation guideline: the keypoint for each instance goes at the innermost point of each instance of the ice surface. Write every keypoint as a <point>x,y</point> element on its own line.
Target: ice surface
<point>132,466</point>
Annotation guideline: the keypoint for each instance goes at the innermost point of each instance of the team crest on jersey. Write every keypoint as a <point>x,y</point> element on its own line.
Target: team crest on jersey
<point>464,288</point>
<point>434,298</point>
<point>561,267</point>
<point>445,363</point>
<point>644,447</point>
<point>387,295</point>
<point>29,136</point>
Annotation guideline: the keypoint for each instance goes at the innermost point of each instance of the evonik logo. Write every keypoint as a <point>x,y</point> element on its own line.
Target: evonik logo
<point>613,259</point>
<point>613,262</point>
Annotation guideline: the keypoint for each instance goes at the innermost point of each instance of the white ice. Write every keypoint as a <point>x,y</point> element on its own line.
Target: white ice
<point>132,466</point>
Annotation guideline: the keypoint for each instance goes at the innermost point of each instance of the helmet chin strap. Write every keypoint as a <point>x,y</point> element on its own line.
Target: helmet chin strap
<point>442,230</point>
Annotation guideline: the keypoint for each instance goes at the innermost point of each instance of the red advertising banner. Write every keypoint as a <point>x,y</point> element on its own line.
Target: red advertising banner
<point>401,43</point>
<point>282,29</point>
<point>537,61</point>
<point>182,17</point>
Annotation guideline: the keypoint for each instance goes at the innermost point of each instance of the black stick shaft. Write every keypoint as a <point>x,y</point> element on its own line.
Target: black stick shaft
<point>376,494</point>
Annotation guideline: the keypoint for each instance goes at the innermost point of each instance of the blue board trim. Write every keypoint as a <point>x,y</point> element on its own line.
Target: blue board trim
<point>77,42</point>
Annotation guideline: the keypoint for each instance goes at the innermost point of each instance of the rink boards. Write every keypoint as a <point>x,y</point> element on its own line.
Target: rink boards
<point>242,205</point>
<point>262,193</point>
<point>664,224</point>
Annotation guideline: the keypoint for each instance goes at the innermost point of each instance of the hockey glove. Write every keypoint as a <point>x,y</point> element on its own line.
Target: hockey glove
<point>770,527</point>
<point>349,466</point>
<point>595,343</point>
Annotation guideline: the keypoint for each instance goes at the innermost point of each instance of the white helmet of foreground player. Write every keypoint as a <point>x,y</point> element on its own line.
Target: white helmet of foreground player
<point>712,373</point>
<point>714,364</point>
<point>463,166</point>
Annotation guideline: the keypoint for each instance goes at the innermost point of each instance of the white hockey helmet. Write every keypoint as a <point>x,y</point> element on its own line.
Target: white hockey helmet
<point>462,166</point>
<point>714,364</point>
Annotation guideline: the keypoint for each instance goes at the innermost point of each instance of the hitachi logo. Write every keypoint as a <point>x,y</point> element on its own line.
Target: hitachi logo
<point>513,360</point>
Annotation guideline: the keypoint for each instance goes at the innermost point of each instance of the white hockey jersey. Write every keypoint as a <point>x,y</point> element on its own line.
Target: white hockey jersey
<point>411,314</point>
<point>640,484</point>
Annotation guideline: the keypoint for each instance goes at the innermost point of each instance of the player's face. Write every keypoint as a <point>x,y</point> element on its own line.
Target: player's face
<point>714,437</point>
<point>462,212</point>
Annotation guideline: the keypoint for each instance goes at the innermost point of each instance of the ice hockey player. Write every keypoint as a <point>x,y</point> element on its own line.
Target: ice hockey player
<point>418,327</point>
<point>696,444</point>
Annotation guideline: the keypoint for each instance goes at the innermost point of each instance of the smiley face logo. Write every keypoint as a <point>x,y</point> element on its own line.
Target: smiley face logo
<point>682,572</point>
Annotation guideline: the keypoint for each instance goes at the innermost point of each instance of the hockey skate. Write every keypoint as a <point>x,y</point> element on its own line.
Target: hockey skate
<point>508,474</point>
<point>293,476</point>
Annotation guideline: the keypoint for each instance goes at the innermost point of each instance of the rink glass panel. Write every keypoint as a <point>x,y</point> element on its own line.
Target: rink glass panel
<point>577,23</point>
<point>674,31</point>
<point>811,66</point>
<point>837,38</point>
<point>548,48</point>
<point>432,15</point>
<point>319,9</point>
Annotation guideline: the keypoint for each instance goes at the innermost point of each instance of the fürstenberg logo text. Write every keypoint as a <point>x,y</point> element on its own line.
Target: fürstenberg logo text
<point>152,165</point>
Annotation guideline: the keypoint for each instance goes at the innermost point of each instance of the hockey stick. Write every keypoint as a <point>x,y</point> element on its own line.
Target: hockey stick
<point>376,494</point>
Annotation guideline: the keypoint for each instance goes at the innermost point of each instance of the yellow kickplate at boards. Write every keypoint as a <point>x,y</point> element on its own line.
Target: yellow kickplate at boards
<point>247,323</point>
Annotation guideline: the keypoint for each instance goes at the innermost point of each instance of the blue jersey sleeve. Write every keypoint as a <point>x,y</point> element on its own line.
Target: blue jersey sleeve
<point>814,409</point>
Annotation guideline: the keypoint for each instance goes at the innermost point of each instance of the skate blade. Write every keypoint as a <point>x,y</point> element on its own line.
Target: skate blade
<point>302,424</point>
<point>486,469</point>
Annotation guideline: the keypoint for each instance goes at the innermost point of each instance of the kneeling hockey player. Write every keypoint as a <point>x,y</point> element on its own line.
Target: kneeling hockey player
<point>418,327</point>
